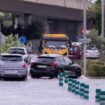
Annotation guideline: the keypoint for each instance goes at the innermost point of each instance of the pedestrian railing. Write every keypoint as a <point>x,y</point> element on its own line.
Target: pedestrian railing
<point>80,89</point>
<point>100,97</point>
<point>74,85</point>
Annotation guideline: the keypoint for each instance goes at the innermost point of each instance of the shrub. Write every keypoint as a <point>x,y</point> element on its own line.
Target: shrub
<point>96,69</point>
<point>11,41</point>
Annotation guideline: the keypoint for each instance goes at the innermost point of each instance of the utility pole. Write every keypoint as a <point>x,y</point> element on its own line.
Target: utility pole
<point>102,20</point>
<point>84,33</point>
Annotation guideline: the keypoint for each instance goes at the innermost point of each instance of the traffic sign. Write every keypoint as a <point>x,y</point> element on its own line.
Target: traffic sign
<point>86,32</point>
<point>22,39</point>
<point>83,40</point>
<point>79,36</point>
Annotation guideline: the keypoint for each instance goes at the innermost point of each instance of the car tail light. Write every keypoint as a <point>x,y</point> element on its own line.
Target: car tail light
<point>24,65</point>
<point>53,64</point>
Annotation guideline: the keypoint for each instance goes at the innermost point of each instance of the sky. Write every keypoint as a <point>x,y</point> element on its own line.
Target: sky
<point>93,1</point>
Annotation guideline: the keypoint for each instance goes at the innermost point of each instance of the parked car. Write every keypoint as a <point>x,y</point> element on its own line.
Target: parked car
<point>75,51</point>
<point>52,64</point>
<point>92,53</point>
<point>22,51</point>
<point>13,65</point>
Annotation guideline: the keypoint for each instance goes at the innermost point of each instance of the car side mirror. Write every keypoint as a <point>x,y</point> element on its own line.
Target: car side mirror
<point>70,63</point>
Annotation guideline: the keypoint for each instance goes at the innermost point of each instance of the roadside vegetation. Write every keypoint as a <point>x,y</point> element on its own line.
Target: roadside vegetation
<point>96,68</point>
<point>12,31</point>
<point>10,41</point>
<point>8,26</point>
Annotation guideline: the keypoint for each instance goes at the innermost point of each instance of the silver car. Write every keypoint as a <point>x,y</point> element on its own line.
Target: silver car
<point>93,53</point>
<point>22,51</point>
<point>13,65</point>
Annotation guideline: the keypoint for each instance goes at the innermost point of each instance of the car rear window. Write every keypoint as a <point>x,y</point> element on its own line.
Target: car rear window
<point>11,58</point>
<point>17,51</point>
<point>74,49</point>
<point>46,59</point>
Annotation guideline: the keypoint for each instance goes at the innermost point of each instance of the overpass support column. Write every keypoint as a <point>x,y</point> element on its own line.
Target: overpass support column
<point>23,19</point>
<point>16,22</point>
<point>17,19</point>
<point>79,28</point>
<point>20,19</point>
<point>46,26</point>
<point>27,19</point>
<point>0,24</point>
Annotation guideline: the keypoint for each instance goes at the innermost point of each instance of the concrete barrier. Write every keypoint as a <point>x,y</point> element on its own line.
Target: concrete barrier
<point>97,97</point>
<point>74,86</point>
<point>102,98</point>
<point>77,88</point>
<point>61,79</point>
<point>66,76</point>
<point>86,91</point>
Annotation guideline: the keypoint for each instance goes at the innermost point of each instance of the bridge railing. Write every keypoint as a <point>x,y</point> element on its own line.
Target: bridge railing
<point>76,4</point>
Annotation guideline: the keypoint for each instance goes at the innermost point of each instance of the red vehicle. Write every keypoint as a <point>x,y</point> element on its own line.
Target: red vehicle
<point>75,51</point>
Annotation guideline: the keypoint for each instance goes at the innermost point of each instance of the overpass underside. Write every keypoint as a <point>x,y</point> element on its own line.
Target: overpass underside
<point>56,19</point>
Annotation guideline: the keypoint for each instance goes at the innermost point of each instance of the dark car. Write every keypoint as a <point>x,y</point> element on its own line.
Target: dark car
<point>75,52</point>
<point>51,64</point>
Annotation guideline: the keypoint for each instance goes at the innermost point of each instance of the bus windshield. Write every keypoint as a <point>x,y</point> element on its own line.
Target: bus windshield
<point>56,44</point>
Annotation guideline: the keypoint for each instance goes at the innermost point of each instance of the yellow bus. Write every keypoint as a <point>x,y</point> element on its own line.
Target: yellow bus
<point>55,44</point>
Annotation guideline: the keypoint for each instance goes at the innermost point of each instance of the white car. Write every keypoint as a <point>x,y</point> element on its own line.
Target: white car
<point>13,65</point>
<point>92,53</point>
<point>22,51</point>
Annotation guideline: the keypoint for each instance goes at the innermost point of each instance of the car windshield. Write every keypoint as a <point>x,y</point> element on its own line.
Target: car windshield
<point>11,58</point>
<point>55,44</point>
<point>17,51</point>
<point>74,49</point>
<point>46,59</point>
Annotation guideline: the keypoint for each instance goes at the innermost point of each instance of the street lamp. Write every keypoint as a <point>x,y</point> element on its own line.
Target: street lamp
<point>102,20</point>
<point>84,28</point>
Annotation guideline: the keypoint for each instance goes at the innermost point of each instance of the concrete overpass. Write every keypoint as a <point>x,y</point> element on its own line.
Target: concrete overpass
<point>76,4</point>
<point>63,9</point>
<point>59,16</point>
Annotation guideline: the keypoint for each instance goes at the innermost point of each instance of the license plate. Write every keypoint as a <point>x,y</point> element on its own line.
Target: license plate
<point>41,66</point>
<point>11,71</point>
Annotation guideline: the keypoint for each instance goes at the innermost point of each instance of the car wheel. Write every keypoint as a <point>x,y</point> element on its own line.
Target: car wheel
<point>77,74</point>
<point>51,77</point>
<point>24,78</point>
<point>33,76</point>
<point>37,77</point>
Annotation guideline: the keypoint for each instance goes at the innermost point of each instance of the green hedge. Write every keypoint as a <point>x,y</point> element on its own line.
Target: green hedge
<point>96,69</point>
